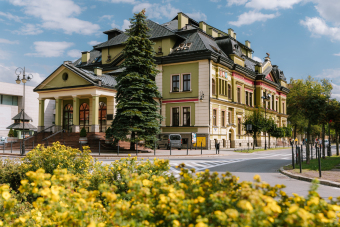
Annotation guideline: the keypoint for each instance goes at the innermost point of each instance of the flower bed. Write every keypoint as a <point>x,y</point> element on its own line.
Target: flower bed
<point>131,193</point>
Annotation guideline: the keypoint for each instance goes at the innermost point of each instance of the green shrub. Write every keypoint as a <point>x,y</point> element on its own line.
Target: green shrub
<point>11,133</point>
<point>108,133</point>
<point>15,133</point>
<point>11,173</point>
<point>83,132</point>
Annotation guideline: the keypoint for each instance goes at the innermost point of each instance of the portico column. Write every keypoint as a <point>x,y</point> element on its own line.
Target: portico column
<point>41,125</point>
<point>58,113</point>
<point>75,127</point>
<point>95,113</point>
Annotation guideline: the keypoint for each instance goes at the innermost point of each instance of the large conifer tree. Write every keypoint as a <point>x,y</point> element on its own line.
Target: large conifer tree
<point>137,110</point>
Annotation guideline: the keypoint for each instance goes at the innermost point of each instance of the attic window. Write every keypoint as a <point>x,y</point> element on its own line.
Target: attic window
<point>95,60</point>
<point>215,49</point>
<point>187,46</point>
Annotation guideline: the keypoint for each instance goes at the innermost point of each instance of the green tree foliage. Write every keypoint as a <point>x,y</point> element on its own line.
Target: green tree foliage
<point>83,132</point>
<point>11,133</point>
<point>15,133</point>
<point>137,110</point>
<point>278,132</point>
<point>258,122</point>
<point>270,128</point>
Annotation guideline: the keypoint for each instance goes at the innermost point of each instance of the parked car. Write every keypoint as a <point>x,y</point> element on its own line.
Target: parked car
<point>174,139</point>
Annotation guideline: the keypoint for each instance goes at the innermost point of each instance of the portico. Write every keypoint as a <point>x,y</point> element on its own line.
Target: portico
<point>88,106</point>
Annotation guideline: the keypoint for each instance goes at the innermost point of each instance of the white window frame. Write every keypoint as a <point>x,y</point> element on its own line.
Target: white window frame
<point>181,82</point>
<point>182,119</point>
<point>179,116</point>
<point>179,77</point>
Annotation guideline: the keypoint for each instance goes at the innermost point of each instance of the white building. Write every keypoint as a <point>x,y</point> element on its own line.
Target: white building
<point>11,100</point>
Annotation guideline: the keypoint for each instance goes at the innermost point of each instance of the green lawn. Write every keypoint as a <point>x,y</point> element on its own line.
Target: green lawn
<point>326,164</point>
<point>260,149</point>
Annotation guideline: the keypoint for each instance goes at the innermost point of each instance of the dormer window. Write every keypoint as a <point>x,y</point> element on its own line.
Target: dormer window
<point>180,47</point>
<point>187,46</point>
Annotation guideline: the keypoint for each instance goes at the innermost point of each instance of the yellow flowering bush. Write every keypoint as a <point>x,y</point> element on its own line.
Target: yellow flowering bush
<point>131,193</point>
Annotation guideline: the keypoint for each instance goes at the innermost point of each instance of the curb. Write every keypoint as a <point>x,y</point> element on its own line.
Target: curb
<point>299,177</point>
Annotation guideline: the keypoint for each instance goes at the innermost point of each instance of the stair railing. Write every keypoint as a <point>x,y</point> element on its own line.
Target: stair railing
<point>61,131</point>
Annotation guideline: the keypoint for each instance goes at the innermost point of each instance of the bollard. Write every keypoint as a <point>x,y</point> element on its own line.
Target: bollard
<point>170,147</point>
<point>154,150</point>
<point>300,160</point>
<point>99,147</point>
<point>301,153</point>
<point>311,152</point>
<point>293,157</point>
<point>11,148</point>
<point>319,161</point>
<point>188,148</point>
<point>219,145</point>
<point>201,148</point>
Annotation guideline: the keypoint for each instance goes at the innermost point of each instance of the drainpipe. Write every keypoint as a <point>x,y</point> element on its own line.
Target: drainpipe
<point>209,106</point>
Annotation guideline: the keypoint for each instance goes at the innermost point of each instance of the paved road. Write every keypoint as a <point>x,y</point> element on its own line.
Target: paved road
<point>266,164</point>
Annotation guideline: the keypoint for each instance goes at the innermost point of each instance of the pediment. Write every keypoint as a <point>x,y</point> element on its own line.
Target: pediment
<point>61,78</point>
<point>270,77</point>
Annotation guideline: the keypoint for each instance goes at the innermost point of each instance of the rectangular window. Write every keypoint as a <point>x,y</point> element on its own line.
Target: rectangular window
<point>276,107</point>
<point>229,117</point>
<point>14,100</point>
<point>247,98</point>
<point>186,116</point>
<point>175,83</point>
<point>250,99</point>
<point>239,95</point>
<point>175,116</point>
<point>239,126</point>
<point>283,108</point>
<point>186,82</point>
<point>223,118</point>
<point>214,117</point>
<point>6,100</point>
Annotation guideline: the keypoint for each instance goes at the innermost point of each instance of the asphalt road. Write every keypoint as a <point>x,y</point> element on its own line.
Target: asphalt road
<point>266,164</point>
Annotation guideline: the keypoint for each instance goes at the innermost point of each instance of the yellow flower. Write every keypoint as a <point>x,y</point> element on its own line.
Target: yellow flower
<point>245,205</point>
<point>331,214</point>
<point>200,224</point>
<point>232,213</point>
<point>257,178</point>
<point>176,223</point>
<point>92,224</point>
<point>293,208</point>
<point>6,195</point>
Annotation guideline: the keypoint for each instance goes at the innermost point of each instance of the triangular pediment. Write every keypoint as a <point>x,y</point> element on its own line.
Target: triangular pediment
<point>61,78</point>
<point>270,77</point>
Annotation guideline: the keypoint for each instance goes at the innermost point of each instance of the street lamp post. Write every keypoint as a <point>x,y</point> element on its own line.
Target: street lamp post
<point>24,80</point>
<point>265,98</point>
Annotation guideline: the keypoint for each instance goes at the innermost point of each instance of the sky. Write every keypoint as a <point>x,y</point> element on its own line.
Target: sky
<point>302,36</point>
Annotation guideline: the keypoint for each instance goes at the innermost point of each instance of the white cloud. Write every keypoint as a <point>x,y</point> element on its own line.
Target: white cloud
<point>4,55</point>
<point>156,10</point>
<point>236,2</point>
<point>93,43</point>
<point>271,4</point>
<point>124,1</point>
<point>251,17</point>
<point>7,74</point>
<point>329,10</point>
<point>335,91</point>
<point>126,25</point>
<point>318,26</point>
<point>74,53</point>
<point>6,41</point>
<point>198,16</point>
<point>106,17</point>
<point>114,25</point>
<point>337,54</point>
<point>215,0</point>
<point>28,29</point>
<point>49,49</point>
<point>10,16</point>
<point>257,59</point>
<point>58,15</point>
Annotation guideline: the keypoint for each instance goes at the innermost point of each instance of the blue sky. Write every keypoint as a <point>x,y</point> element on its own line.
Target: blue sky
<point>302,36</point>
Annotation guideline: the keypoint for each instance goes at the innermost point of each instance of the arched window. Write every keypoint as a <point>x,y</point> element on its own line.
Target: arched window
<point>102,116</point>
<point>68,117</point>
<point>213,87</point>
<point>229,91</point>
<point>84,116</point>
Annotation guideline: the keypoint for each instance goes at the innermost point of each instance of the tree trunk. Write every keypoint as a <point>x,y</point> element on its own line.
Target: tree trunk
<point>323,141</point>
<point>254,140</point>
<point>269,140</point>
<point>307,142</point>
<point>337,142</point>
<point>133,144</point>
<point>295,131</point>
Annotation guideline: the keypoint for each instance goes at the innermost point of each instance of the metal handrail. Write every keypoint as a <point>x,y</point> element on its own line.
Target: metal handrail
<point>61,131</point>
<point>37,133</point>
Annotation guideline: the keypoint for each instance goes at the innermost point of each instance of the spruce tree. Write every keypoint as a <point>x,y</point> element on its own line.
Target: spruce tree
<point>137,109</point>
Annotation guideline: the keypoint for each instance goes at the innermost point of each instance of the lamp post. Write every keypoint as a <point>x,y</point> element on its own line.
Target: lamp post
<point>265,98</point>
<point>21,71</point>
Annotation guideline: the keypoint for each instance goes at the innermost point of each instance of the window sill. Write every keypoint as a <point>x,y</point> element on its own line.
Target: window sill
<point>180,91</point>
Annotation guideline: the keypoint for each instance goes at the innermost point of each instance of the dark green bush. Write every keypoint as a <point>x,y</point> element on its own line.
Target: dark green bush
<point>83,132</point>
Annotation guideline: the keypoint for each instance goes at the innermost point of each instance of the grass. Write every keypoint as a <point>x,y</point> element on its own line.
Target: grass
<point>328,163</point>
<point>260,149</point>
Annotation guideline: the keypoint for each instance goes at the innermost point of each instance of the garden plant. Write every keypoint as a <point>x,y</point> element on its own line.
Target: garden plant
<point>62,186</point>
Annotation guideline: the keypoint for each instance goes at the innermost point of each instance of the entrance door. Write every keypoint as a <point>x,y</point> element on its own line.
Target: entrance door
<point>102,117</point>
<point>84,116</point>
<point>68,118</point>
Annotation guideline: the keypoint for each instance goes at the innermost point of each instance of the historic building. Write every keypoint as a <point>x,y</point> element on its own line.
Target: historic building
<point>208,81</point>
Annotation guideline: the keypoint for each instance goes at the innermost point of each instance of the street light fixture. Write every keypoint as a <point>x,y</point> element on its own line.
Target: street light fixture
<point>21,71</point>
<point>265,98</point>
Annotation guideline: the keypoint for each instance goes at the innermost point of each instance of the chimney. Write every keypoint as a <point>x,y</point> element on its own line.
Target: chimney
<point>234,35</point>
<point>203,26</point>
<point>182,20</point>
<point>231,32</point>
<point>85,56</point>
<point>98,71</point>
<point>248,43</point>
